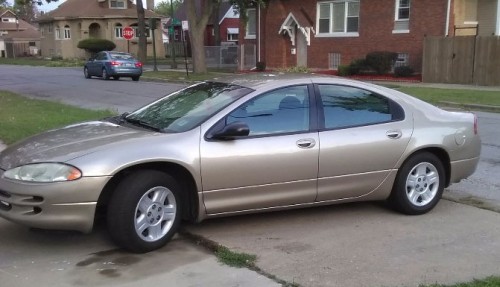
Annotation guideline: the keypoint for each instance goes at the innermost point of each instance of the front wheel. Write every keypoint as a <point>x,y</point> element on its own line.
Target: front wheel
<point>419,184</point>
<point>135,78</point>
<point>144,212</point>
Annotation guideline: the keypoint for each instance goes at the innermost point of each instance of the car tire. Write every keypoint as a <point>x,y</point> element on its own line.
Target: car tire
<point>116,78</point>
<point>86,73</point>
<point>135,79</point>
<point>419,184</point>
<point>105,75</point>
<point>144,212</point>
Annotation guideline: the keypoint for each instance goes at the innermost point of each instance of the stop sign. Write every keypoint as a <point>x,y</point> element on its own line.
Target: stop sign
<point>128,33</point>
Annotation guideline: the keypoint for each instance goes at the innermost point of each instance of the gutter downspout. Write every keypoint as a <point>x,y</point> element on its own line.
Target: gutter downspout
<point>448,11</point>
<point>258,39</point>
<point>497,32</point>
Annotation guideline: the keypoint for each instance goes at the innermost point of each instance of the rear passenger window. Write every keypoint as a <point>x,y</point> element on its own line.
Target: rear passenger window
<point>348,107</point>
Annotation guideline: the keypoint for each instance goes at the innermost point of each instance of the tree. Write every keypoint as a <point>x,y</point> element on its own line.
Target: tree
<point>141,25</point>
<point>26,10</point>
<point>198,21</point>
<point>164,8</point>
<point>4,4</point>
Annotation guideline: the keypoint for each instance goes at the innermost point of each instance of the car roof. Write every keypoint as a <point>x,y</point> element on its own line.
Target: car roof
<point>279,79</point>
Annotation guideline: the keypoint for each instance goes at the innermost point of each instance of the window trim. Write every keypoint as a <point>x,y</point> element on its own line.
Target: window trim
<point>57,33</point>
<point>336,34</point>
<point>313,114</point>
<point>118,29</point>
<point>397,111</point>
<point>396,14</point>
<point>247,35</point>
<point>67,32</point>
<point>122,1</point>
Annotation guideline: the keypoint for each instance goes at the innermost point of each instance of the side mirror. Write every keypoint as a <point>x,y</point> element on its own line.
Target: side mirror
<point>229,132</point>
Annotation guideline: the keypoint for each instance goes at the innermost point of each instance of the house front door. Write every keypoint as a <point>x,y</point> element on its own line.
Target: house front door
<point>301,50</point>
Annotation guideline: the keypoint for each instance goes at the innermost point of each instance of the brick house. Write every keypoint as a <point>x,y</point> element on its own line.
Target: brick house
<point>75,20</point>
<point>324,34</point>
<point>227,19</point>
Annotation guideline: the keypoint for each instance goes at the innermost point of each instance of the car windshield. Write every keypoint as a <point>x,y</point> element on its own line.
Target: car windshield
<point>187,108</point>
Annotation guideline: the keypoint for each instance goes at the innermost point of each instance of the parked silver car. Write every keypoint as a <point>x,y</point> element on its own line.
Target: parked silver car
<point>245,144</point>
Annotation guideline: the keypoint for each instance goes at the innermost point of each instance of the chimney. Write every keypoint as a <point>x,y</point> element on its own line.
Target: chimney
<point>150,4</point>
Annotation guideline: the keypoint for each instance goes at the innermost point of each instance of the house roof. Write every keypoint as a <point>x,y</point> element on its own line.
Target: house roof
<point>19,30</point>
<point>72,9</point>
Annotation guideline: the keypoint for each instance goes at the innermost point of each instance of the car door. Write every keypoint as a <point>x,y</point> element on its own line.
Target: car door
<point>363,136</point>
<point>275,165</point>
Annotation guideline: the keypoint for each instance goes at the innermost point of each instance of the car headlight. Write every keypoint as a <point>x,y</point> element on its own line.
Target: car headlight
<point>44,172</point>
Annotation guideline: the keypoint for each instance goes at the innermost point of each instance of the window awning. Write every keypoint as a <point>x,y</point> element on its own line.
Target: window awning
<point>302,25</point>
<point>233,30</point>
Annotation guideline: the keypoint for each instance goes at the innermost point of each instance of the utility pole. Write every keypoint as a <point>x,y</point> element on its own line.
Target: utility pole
<point>172,33</point>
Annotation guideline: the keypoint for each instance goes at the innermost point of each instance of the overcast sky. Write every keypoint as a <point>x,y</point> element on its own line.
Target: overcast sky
<point>53,5</point>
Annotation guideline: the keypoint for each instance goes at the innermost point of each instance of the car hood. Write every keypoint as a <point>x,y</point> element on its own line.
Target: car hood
<point>67,143</point>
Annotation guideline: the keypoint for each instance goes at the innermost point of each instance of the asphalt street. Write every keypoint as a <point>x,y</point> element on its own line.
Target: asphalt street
<point>364,244</point>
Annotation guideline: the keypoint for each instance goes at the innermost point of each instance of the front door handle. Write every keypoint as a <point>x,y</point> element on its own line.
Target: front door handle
<point>306,143</point>
<point>394,134</point>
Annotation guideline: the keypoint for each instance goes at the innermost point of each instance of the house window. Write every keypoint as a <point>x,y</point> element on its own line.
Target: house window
<point>403,59</point>
<point>50,28</point>
<point>137,34</point>
<point>32,44</point>
<point>402,17</point>
<point>118,31</point>
<point>338,18</point>
<point>117,4</point>
<point>58,33</point>
<point>67,32</point>
<point>251,29</point>
<point>42,31</point>
<point>334,61</point>
<point>176,35</point>
<point>232,34</point>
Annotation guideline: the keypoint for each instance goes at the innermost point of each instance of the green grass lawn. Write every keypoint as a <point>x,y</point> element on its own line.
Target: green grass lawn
<point>21,117</point>
<point>181,76</point>
<point>488,282</point>
<point>434,96</point>
<point>31,61</point>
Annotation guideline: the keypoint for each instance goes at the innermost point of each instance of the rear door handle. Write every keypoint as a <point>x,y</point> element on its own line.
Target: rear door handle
<point>306,143</point>
<point>394,134</point>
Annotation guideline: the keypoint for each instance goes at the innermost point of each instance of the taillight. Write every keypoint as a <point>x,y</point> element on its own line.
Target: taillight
<point>115,63</point>
<point>138,64</point>
<point>475,125</point>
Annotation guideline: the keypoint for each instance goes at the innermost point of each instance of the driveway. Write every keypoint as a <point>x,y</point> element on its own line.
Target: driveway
<point>347,245</point>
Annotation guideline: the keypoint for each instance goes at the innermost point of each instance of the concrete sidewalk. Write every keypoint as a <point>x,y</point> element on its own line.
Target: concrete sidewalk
<point>366,244</point>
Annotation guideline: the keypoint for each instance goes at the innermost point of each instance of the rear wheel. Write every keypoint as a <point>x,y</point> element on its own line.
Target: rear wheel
<point>86,73</point>
<point>419,184</point>
<point>144,211</point>
<point>105,75</point>
<point>136,78</point>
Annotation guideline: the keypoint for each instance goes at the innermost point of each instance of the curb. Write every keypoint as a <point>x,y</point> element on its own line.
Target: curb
<point>2,146</point>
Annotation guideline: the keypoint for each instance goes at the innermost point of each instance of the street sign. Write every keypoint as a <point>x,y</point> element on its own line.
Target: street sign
<point>185,25</point>
<point>128,33</point>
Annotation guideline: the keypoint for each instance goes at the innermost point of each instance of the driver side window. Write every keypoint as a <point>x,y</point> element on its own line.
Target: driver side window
<point>281,111</point>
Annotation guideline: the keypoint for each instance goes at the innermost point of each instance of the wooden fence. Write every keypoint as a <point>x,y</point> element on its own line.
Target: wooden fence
<point>472,60</point>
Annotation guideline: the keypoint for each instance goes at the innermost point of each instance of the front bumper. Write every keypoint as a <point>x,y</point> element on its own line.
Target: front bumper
<point>59,206</point>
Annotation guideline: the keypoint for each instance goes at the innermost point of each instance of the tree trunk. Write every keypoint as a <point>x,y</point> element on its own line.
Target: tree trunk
<point>215,19</point>
<point>141,25</point>
<point>197,26</point>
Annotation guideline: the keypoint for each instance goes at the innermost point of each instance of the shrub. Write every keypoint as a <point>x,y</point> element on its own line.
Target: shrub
<point>93,45</point>
<point>357,66</point>
<point>344,70</point>
<point>381,62</point>
<point>261,66</point>
<point>403,71</point>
